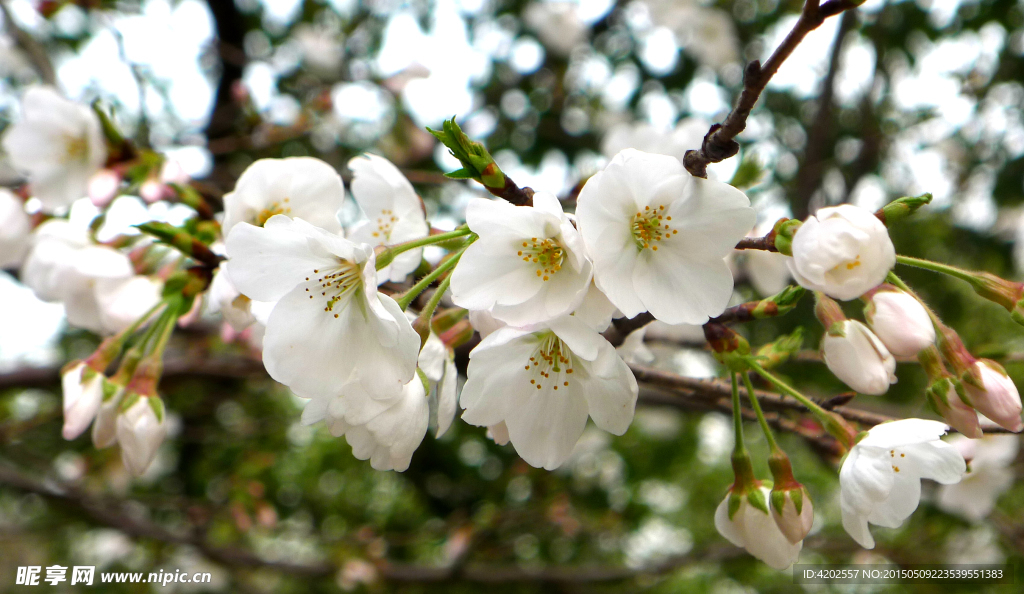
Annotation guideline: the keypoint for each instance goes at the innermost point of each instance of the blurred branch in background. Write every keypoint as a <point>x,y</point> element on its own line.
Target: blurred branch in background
<point>36,52</point>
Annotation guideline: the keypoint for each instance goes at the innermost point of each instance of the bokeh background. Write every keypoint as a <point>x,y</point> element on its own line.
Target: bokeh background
<point>892,99</point>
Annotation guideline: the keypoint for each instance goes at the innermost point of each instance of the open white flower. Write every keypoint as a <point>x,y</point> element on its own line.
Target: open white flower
<point>329,321</point>
<point>141,428</point>
<point>527,267</point>
<point>756,531</point>
<point>97,284</point>
<point>659,237</point>
<point>988,477</point>
<point>298,187</point>
<point>543,382</point>
<point>83,393</point>
<point>856,356</point>
<point>384,431</point>
<point>15,230</point>
<point>58,144</point>
<point>393,211</point>
<point>900,322</point>
<point>842,251</point>
<point>880,480</point>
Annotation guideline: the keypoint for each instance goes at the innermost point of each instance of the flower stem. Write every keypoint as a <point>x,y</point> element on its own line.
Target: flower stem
<point>406,298</point>
<point>831,422</point>
<point>388,255</point>
<point>737,419</point>
<point>760,414</point>
<point>783,386</point>
<point>937,267</point>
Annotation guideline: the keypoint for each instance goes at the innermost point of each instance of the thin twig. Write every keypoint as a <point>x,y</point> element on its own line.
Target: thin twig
<point>719,143</point>
<point>35,50</point>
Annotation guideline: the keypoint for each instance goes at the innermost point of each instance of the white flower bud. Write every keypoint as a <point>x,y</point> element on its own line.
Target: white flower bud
<point>856,356</point>
<point>140,431</point>
<point>794,523</point>
<point>83,394</point>
<point>842,251</point>
<point>900,322</point>
<point>755,530</point>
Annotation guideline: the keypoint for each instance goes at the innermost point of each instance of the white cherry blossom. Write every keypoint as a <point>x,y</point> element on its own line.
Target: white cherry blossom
<point>394,213</point>
<point>298,187</point>
<point>543,382</point>
<point>329,323</point>
<point>842,251</point>
<point>659,237</point>
<point>528,266</point>
<point>989,475</point>
<point>756,531</point>
<point>880,481</point>
<point>58,144</point>
<point>437,362</point>
<point>15,230</point>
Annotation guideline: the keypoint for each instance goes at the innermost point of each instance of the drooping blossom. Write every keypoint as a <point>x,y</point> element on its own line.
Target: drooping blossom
<point>988,475</point>
<point>900,322</point>
<point>856,356</point>
<point>755,530</point>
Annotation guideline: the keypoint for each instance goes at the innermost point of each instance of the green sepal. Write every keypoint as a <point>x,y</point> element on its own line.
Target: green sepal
<point>157,404</point>
<point>757,499</point>
<point>460,174</point>
<point>130,399</point>
<point>110,389</point>
<point>797,495</point>
<point>735,500</point>
<point>785,230</point>
<point>778,501</point>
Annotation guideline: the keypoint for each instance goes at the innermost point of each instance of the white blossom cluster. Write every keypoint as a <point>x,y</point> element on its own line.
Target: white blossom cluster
<point>333,310</point>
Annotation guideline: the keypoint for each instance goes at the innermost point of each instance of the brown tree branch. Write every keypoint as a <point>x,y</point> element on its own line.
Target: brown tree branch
<point>719,143</point>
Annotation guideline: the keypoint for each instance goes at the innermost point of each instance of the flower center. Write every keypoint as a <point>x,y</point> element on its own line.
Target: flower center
<point>896,457</point>
<point>385,224</point>
<point>76,148</point>
<point>336,284</point>
<point>274,208</point>
<point>547,254</point>
<point>551,356</point>
<point>651,226</point>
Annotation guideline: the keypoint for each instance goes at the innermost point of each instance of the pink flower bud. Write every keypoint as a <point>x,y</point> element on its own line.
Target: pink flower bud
<point>997,398</point>
<point>955,411</point>
<point>103,186</point>
<point>900,322</point>
<point>796,515</point>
